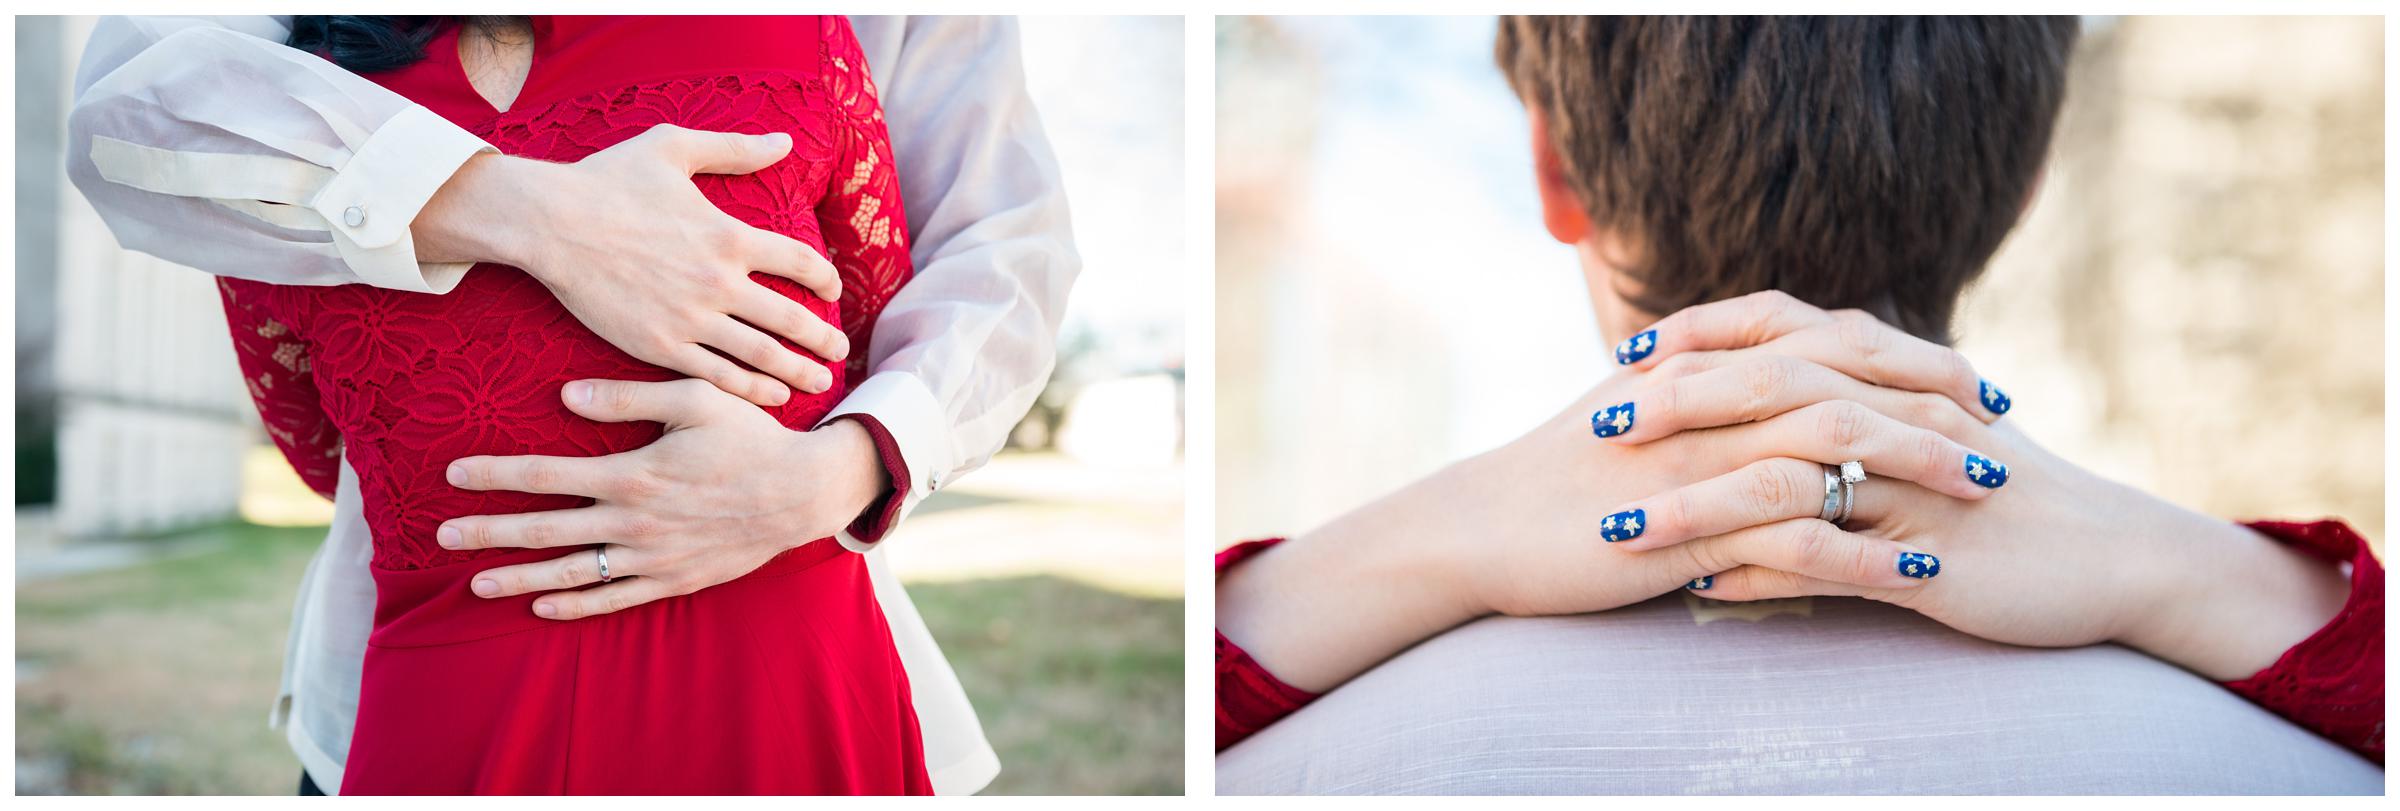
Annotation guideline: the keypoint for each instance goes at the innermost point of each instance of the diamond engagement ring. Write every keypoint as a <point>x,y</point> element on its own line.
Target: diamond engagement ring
<point>603,552</point>
<point>1852,473</point>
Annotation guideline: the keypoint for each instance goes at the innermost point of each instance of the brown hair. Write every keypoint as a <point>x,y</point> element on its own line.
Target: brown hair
<point>1871,162</point>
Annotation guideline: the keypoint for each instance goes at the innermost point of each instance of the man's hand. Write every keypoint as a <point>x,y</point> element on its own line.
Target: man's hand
<point>723,491</point>
<point>641,257</point>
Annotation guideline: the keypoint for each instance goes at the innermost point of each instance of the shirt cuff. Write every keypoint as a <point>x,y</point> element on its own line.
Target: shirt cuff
<point>919,431</point>
<point>375,196</point>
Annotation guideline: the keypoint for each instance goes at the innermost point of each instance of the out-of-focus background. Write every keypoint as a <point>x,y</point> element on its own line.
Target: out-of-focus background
<point>2194,305</point>
<point>160,538</point>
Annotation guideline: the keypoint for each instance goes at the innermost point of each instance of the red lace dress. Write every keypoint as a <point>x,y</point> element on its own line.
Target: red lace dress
<point>784,681</point>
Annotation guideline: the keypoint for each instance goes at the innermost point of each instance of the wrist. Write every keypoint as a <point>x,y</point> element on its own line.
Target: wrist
<point>1323,607</point>
<point>852,469</point>
<point>2235,601</point>
<point>485,212</point>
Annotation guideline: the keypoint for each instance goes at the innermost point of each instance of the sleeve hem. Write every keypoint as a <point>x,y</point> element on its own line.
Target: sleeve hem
<point>920,434</point>
<point>2332,682</point>
<point>375,197</point>
<point>1248,697</point>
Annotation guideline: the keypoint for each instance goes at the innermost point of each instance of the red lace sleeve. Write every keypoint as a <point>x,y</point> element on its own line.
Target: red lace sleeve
<point>1248,697</point>
<point>866,239</point>
<point>2332,682</point>
<point>275,368</point>
<point>865,225</point>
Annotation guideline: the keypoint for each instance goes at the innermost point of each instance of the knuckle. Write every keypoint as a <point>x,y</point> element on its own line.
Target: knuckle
<point>619,398</point>
<point>571,575</point>
<point>615,602</point>
<point>1845,425</point>
<point>1928,410</point>
<point>1701,556</point>
<point>640,527</point>
<point>1813,543</point>
<point>1935,451</point>
<point>1767,488</point>
<point>1678,512</point>
<point>1679,365</point>
<point>1957,370</point>
<point>540,533</point>
<point>640,486</point>
<point>541,475</point>
<point>1864,337</point>
<point>1763,382</point>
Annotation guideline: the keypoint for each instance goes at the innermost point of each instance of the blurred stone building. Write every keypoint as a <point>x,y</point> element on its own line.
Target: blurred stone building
<point>2195,303</point>
<point>131,416</point>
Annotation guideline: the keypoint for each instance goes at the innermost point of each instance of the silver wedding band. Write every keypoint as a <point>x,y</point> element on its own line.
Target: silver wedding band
<point>603,552</point>
<point>1841,491</point>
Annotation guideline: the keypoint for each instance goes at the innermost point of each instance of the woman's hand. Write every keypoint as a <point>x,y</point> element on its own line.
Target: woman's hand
<point>1536,527</point>
<point>644,260</point>
<point>2059,557</point>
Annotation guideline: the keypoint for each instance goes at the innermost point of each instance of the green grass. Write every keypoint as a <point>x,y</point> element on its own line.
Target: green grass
<point>155,678</point>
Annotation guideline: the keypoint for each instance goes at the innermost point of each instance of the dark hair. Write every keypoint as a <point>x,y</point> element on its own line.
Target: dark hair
<point>1871,162</point>
<point>375,43</point>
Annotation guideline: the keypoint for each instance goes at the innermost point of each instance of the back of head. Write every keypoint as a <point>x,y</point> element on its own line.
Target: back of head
<point>1871,162</point>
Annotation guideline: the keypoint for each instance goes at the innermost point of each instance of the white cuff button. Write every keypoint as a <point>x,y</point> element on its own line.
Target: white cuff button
<point>354,216</point>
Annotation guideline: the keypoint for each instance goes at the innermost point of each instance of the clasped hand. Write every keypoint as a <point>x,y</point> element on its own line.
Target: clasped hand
<point>723,491</point>
<point>1703,468</point>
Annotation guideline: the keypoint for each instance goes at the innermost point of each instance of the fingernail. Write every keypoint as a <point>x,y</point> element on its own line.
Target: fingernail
<point>449,537</point>
<point>579,393</point>
<point>1624,526</point>
<point>1700,583</point>
<point>1919,565</point>
<point>841,350</point>
<point>1993,398</point>
<point>457,474</point>
<point>486,588</point>
<point>545,611</point>
<point>1986,472</point>
<point>1613,420</point>
<point>1634,349</point>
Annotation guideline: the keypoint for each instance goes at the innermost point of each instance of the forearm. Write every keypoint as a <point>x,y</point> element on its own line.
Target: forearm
<point>297,173</point>
<point>2235,600</point>
<point>1321,608</point>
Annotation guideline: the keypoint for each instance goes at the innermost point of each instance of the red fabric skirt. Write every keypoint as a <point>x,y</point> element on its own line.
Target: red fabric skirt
<point>781,682</point>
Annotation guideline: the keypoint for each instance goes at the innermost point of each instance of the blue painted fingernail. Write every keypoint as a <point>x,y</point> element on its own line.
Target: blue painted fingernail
<point>1613,420</point>
<point>1919,565</point>
<point>1986,472</point>
<point>1700,583</point>
<point>1634,349</point>
<point>1624,526</point>
<point>1993,398</point>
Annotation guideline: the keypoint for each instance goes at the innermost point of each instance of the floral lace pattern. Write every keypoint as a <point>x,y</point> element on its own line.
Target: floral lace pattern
<point>404,383</point>
<point>2332,682</point>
